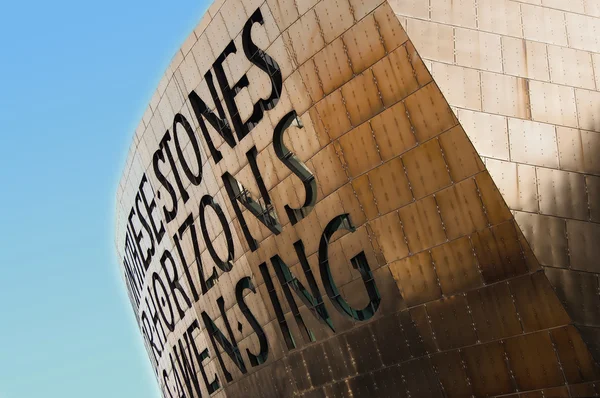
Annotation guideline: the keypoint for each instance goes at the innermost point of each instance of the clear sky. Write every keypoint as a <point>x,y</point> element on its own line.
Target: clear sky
<point>75,78</point>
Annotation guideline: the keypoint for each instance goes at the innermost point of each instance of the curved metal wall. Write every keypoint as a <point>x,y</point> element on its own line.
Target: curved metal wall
<point>303,214</point>
<point>523,79</point>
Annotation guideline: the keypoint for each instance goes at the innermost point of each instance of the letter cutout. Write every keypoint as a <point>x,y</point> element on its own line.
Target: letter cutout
<point>359,262</point>
<point>297,167</point>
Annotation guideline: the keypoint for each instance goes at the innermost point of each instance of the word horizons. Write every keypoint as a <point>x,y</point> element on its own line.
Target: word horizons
<point>166,301</point>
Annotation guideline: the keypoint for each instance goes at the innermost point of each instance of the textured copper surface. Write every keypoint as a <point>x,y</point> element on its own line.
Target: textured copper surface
<point>523,80</point>
<point>470,267</point>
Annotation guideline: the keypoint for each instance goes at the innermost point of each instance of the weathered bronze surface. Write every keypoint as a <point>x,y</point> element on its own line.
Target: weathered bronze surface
<point>349,219</point>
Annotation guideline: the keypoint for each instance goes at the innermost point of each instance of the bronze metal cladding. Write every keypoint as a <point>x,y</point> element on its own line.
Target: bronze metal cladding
<point>310,208</point>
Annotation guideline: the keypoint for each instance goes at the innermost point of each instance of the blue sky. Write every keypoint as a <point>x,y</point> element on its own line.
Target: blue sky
<point>75,78</point>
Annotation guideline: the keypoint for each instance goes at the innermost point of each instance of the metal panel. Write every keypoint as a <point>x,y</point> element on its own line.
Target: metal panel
<point>417,279</point>
<point>451,322</point>
<point>533,361</point>
<point>456,266</point>
<point>583,245</point>
<point>426,169</point>
<point>494,313</point>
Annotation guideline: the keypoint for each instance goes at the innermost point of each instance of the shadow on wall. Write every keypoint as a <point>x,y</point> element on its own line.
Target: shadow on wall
<point>578,286</point>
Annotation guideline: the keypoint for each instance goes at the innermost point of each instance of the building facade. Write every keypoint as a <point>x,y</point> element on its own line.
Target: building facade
<point>363,198</point>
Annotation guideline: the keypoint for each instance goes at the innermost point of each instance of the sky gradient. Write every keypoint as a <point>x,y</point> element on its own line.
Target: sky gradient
<point>75,79</point>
